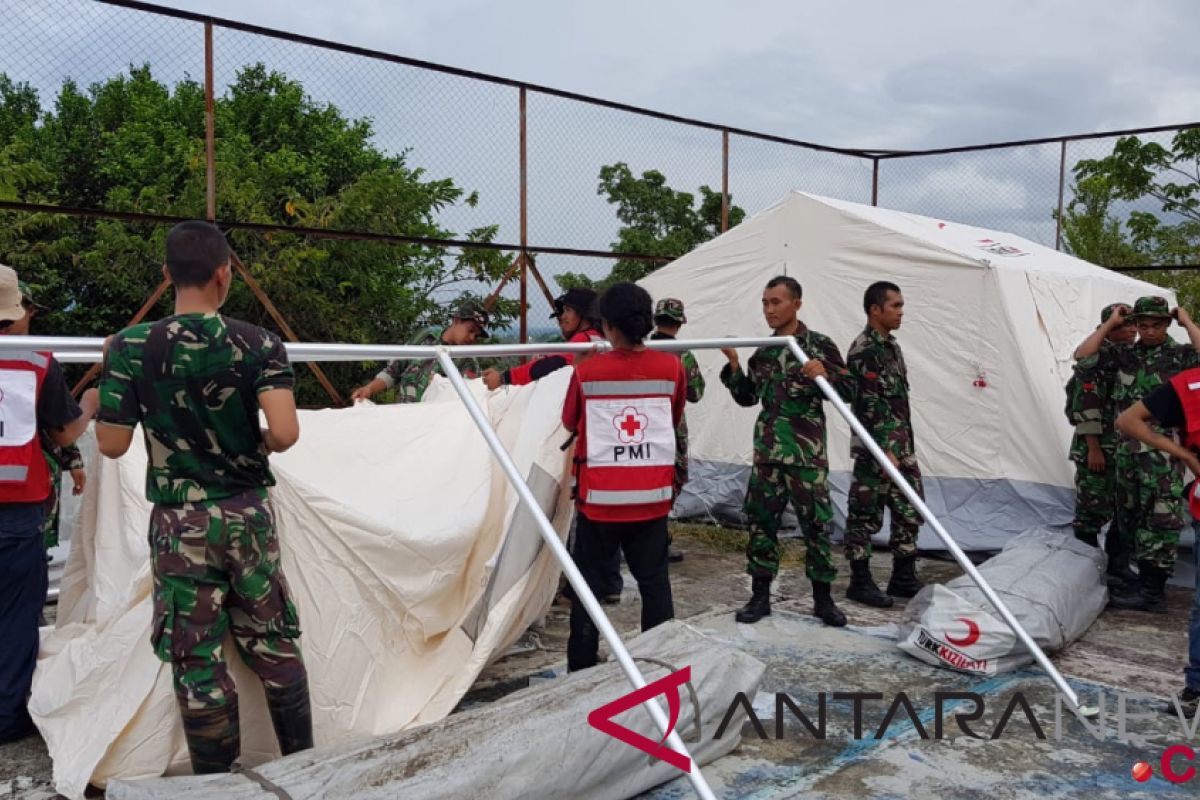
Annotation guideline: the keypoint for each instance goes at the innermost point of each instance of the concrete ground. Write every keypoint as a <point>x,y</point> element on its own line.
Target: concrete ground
<point>1122,650</point>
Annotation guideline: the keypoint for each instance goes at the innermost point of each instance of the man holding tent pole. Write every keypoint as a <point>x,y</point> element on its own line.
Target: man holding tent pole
<point>1091,411</point>
<point>1150,491</point>
<point>879,381</point>
<point>1175,405</point>
<point>790,460</point>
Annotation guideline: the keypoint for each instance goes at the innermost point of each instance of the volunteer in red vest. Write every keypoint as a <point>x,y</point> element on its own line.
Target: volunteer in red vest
<point>576,320</point>
<point>33,398</point>
<point>624,406</point>
<point>1175,404</point>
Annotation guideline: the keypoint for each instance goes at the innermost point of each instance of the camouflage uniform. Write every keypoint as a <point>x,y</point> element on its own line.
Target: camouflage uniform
<point>59,459</point>
<point>1150,482</point>
<point>790,461</point>
<point>412,378</point>
<point>879,387</point>
<point>1091,411</point>
<point>192,381</point>
<point>672,309</point>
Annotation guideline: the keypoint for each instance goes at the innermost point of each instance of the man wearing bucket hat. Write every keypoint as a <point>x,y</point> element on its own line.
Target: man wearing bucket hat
<point>33,398</point>
<point>411,378</point>
<point>1093,452</point>
<point>1149,495</point>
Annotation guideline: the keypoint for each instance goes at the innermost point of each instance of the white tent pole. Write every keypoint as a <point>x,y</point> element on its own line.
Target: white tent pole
<point>919,504</point>
<point>582,592</point>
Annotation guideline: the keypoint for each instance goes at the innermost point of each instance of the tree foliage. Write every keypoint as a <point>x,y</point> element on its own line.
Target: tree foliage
<point>655,220</point>
<point>132,143</point>
<point>1140,173</point>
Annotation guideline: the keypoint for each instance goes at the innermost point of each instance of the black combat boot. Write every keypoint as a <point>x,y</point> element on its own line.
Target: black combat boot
<point>863,588</point>
<point>213,738</point>
<point>824,607</point>
<point>760,601</point>
<point>904,581</point>
<point>1119,571</point>
<point>291,716</point>
<point>1151,594</point>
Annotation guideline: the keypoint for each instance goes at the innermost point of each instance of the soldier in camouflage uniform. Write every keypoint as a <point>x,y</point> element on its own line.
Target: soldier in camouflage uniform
<point>196,381</point>
<point>1150,482</point>
<point>412,378</point>
<point>668,319</point>
<point>57,458</point>
<point>1091,411</point>
<point>790,461</point>
<point>879,387</point>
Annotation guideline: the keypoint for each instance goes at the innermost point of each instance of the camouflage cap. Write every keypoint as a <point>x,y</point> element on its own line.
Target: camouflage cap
<point>1108,311</point>
<point>1151,306</point>
<point>27,294</point>
<point>671,308</point>
<point>473,311</point>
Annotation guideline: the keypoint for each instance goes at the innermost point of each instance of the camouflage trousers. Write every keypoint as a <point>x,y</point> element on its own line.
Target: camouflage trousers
<point>50,521</point>
<point>1150,505</point>
<point>771,487</point>
<point>870,492</point>
<point>1095,499</point>
<point>217,571</point>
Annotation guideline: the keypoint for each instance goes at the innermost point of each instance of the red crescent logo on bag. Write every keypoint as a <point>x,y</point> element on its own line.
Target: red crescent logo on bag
<point>972,634</point>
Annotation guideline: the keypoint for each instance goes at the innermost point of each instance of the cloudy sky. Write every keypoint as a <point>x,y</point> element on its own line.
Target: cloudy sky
<point>912,75</point>
<point>883,74</point>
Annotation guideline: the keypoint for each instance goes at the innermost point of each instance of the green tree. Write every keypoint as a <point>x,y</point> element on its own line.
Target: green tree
<point>1138,171</point>
<point>133,143</point>
<point>655,220</point>
<point>1091,231</point>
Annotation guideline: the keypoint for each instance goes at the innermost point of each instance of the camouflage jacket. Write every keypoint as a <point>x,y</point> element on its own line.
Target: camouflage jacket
<point>412,378</point>
<point>1090,407</point>
<point>192,381</point>
<point>878,387</point>
<point>791,426</point>
<point>1136,369</point>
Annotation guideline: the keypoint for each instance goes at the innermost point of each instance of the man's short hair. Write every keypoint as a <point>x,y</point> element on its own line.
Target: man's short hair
<point>793,285</point>
<point>195,250</point>
<point>876,294</point>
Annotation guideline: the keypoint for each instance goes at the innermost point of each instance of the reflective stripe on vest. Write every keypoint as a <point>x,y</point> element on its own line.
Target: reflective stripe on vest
<point>13,472</point>
<point>628,497</point>
<point>627,388</point>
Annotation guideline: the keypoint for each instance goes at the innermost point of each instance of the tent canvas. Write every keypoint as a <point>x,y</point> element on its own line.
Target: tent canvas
<point>991,321</point>
<point>411,563</point>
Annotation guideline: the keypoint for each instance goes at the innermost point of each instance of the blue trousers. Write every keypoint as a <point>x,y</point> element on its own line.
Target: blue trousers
<point>1193,668</point>
<point>22,595</point>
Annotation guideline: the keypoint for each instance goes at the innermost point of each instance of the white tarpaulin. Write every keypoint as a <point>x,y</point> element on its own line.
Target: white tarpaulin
<point>411,565</point>
<point>1052,583</point>
<point>991,321</point>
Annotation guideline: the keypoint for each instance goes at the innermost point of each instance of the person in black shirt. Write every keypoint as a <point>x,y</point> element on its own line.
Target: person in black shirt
<point>1164,407</point>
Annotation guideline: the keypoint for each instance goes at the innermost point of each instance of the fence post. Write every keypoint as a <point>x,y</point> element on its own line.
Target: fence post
<point>1062,175</point>
<point>724,180</point>
<point>875,181</point>
<point>210,128</point>
<point>524,225</point>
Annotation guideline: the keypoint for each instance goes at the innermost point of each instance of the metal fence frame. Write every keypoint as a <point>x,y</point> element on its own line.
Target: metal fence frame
<point>524,249</point>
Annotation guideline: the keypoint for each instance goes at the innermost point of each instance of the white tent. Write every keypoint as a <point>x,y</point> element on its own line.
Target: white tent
<point>991,321</point>
<point>412,566</point>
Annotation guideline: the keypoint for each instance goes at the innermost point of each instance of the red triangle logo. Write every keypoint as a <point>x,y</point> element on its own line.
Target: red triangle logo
<point>602,718</point>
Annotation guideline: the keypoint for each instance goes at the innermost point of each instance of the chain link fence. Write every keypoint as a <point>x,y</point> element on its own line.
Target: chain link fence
<point>484,159</point>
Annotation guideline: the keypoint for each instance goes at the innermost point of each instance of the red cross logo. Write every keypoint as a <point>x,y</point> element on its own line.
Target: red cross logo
<point>630,425</point>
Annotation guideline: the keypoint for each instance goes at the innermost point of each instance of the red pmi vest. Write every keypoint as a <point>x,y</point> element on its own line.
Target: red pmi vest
<point>1187,387</point>
<point>24,475</point>
<point>627,463</point>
